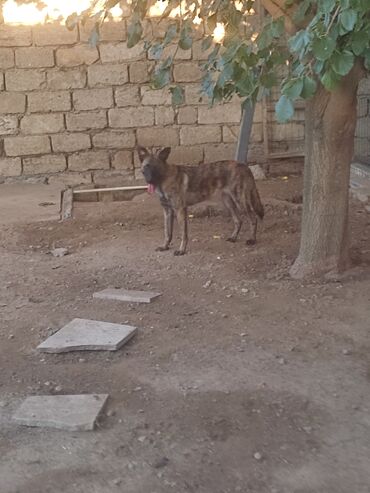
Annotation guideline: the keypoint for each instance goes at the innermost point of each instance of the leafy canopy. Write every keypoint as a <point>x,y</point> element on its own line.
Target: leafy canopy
<point>311,42</point>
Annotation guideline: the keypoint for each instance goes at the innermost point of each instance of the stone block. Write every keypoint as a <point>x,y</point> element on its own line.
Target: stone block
<point>230,133</point>
<point>187,72</point>
<point>109,31</point>
<point>11,102</point>
<point>127,96</point>
<point>62,412</point>
<point>88,160</point>
<point>10,166</point>
<point>23,146</point>
<point>219,152</point>
<point>15,35</point>
<point>8,124</point>
<point>122,160</point>
<point>126,118</point>
<point>220,113</point>
<point>198,53</point>
<point>70,142</point>
<point>107,75</point>
<point>127,295</point>
<point>287,132</point>
<point>139,72</point>
<point>156,136</point>
<point>114,139</point>
<point>6,58</point>
<point>86,120</point>
<point>88,335</point>
<point>50,163</point>
<point>77,55</point>
<point>24,80</point>
<point>186,155</point>
<point>193,95</point>
<point>70,179</point>
<point>53,34</point>
<point>363,87</point>
<point>46,101</point>
<point>155,97</point>
<point>164,115</point>
<point>61,78</point>
<point>118,52</point>
<point>200,134</point>
<point>33,57</point>
<point>42,124</point>
<point>93,99</point>
<point>187,115</point>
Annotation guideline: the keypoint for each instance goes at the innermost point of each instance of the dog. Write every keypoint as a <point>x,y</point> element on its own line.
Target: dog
<point>179,187</point>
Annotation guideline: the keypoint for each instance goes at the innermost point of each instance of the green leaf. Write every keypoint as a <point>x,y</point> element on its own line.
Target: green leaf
<point>293,88</point>
<point>171,34</point>
<point>156,51</point>
<point>186,40</point>
<point>348,19</point>
<point>326,6</point>
<point>207,43</point>
<point>360,41</point>
<point>330,80</point>
<point>301,11</point>
<point>134,33</point>
<point>342,63</point>
<point>299,42</point>
<point>178,95</point>
<point>284,109</point>
<point>309,87</point>
<point>323,48</point>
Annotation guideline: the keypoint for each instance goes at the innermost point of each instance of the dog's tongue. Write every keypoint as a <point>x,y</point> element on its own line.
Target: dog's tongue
<point>151,188</point>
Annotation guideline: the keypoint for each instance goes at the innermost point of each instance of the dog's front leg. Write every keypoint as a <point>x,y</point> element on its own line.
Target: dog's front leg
<point>168,228</point>
<point>182,219</point>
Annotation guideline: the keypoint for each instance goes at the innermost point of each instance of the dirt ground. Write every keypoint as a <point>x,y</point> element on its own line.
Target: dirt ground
<point>239,379</point>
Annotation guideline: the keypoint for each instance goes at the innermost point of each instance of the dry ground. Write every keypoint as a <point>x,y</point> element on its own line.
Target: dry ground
<point>235,359</point>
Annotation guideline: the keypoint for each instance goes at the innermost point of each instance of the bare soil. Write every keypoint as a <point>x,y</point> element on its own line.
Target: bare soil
<point>240,379</point>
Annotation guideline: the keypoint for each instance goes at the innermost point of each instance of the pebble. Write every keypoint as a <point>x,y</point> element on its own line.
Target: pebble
<point>162,462</point>
<point>282,361</point>
<point>59,252</point>
<point>142,439</point>
<point>257,456</point>
<point>207,284</point>
<point>58,388</point>
<point>346,352</point>
<point>11,336</point>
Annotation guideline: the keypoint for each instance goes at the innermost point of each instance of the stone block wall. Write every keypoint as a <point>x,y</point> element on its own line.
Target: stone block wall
<point>74,113</point>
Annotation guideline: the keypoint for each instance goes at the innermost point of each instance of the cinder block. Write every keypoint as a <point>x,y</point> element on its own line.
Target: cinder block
<point>164,115</point>
<point>25,146</point>
<point>33,57</point>
<point>42,124</point>
<point>10,166</point>
<point>25,79</point>
<point>114,139</point>
<point>6,58</point>
<point>15,35</point>
<point>123,160</point>
<point>53,34</point>
<point>8,125</point>
<point>155,97</point>
<point>187,72</point>
<point>126,118</point>
<point>40,165</point>
<point>12,102</point>
<point>118,52</point>
<point>61,78</point>
<point>77,55</point>
<point>84,161</point>
<point>70,142</point>
<point>220,113</point>
<point>156,136</point>
<point>108,75</point>
<point>127,95</point>
<point>46,101</point>
<point>86,120</point>
<point>93,99</point>
<point>201,134</point>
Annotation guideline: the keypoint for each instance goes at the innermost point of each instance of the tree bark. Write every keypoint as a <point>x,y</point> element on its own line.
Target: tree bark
<point>329,141</point>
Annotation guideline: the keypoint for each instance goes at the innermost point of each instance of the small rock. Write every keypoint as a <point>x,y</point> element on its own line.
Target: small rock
<point>11,336</point>
<point>257,456</point>
<point>110,413</point>
<point>346,352</point>
<point>58,388</point>
<point>47,384</point>
<point>307,429</point>
<point>207,284</point>
<point>162,462</point>
<point>81,360</point>
<point>282,361</point>
<point>137,389</point>
<point>142,439</point>
<point>117,481</point>
<point>59,252</point>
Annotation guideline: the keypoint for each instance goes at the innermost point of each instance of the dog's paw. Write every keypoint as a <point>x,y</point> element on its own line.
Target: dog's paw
<point>161,249</point>
<point>231,239</point>
<point>177,253</point>
<point>250,242</point>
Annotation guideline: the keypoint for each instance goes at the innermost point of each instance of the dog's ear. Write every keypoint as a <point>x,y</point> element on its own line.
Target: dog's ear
<point>142,152</point>
<point>164,153</point>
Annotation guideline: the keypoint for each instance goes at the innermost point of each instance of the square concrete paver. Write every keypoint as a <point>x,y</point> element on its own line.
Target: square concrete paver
<point>64,412</point>
<point>126,295</point>
<point>88,335</point>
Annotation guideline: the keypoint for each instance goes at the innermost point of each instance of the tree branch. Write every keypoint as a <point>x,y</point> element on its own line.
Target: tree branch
<point>276,8</point>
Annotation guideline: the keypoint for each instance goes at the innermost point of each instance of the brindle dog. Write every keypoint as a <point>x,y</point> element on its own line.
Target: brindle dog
<point>181,186</point>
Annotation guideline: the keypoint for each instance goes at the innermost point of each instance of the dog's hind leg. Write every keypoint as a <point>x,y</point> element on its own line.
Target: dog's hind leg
<point>252,219</point>
<point>230,205</point>
<point>182,219</point>
<point>168,228</point>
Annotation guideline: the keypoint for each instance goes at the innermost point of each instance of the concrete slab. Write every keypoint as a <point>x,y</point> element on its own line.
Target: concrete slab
<point>63,412</point>
<point>126,295</point>
<point>88,335</point>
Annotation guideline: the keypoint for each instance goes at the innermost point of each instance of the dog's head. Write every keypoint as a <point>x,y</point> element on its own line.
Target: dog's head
<point>153,164</point>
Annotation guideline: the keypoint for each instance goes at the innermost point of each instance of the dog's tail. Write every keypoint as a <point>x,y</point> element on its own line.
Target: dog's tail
<point>256,203</point>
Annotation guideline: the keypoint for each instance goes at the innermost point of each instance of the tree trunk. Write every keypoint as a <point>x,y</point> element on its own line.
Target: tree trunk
<point>329,141</point>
